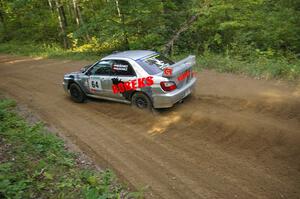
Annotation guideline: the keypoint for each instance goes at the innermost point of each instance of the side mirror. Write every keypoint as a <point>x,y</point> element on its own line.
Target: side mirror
<point>82,70</point>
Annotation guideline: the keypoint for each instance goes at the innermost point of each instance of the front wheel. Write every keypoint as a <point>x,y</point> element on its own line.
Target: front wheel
<point>77,94</point>
<point>141,101</point>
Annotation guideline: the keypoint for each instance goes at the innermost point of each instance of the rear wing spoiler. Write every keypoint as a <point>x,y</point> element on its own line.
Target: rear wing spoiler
<point>181,66</point>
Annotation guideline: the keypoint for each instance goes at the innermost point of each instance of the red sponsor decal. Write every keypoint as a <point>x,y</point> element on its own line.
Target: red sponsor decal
<point>184,75</point>
<point>168,71</point>
<point>131,85</point>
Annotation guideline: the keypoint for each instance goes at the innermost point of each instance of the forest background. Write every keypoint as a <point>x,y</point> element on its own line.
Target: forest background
<point>260,38</point>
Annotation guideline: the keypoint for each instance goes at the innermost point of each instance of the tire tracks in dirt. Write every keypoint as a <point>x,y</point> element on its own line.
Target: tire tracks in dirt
<point>236,137</point>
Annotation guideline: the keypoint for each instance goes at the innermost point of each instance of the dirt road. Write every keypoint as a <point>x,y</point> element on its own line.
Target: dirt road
<point>234,138</point>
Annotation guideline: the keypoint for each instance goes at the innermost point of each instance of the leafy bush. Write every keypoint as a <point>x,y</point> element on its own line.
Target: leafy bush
<point>263,64</point>
<point>257,66</point>
<point>47,51</point>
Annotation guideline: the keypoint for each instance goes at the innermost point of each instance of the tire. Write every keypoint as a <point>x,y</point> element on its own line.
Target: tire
<point>141,101</point>
<point>76,93</point>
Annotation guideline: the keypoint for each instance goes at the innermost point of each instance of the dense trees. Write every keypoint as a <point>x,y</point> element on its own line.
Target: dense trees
<point>243,26</point>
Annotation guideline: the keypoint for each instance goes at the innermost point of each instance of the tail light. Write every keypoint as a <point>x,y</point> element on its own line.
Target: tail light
<point>168,86</point>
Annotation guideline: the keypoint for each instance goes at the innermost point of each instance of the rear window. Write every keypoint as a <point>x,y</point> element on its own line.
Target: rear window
<point>154,64</point>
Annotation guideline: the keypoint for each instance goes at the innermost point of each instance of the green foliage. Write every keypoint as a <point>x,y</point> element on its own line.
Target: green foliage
<point>48,51</point>
<point>264,64</point>
<point>261,66</point>
<point>35,164</point>
<point>228,28</point>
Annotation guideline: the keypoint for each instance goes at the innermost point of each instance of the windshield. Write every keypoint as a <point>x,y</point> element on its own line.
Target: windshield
<point>155,63</point>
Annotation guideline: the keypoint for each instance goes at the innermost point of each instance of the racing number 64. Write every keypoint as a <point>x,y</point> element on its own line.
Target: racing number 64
<point>95,84</point>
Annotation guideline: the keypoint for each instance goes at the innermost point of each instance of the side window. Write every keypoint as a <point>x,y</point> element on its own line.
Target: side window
<point>122,68</point>
<point>102,68</point>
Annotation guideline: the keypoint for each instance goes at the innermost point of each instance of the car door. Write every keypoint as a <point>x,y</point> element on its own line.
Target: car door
<point>99,81</point>
<point>122,71</point>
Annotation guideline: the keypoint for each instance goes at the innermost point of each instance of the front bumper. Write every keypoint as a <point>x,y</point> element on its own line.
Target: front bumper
<point>65,86</point>
<point>167,100</point>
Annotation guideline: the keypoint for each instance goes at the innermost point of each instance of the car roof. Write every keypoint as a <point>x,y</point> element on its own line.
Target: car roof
<point>131,54</point>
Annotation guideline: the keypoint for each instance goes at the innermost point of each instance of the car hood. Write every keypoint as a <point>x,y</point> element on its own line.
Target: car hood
<point>73,74</point>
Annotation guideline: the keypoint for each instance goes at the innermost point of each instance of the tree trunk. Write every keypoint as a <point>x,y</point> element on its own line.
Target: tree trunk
<point>62,23</point>
<point>78,18</point>
<point>2,15</point>
<point>126,41</point>
<point>51,5</point>
<point>122,19</point>
<point>118,8</point>
<point>76,12</point>
<point>2,18</point>
<point>71,12</point>
<point>63,14</point>
<point>3,22</point>
<point>168,49</point>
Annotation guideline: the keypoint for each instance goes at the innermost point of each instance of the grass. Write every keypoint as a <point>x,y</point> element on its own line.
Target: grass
<point>257,66</point>
<point>35,164</point>
<point>46,51</point>
<point>260,66</point>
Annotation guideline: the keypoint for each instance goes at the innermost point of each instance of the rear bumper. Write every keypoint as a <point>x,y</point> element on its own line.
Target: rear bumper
<point>167,100</point>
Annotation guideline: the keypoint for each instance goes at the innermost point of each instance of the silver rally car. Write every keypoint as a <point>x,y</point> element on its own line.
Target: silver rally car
<point>143,78</point>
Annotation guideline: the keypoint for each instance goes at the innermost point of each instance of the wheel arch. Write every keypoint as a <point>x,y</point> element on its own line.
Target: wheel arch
<point>136,91</point>
<point>72,81</point>
<point>146,94</point>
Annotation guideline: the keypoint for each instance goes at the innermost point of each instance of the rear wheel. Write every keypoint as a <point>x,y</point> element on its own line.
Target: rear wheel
<point>141,101</point>
<point>77,94</point>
